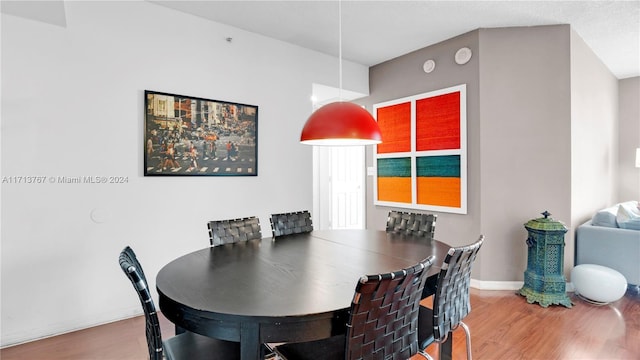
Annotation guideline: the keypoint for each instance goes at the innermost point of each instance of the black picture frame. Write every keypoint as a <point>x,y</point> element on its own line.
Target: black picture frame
<point>192,136</point>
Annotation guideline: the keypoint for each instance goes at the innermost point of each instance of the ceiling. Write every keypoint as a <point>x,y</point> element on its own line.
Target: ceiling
<point>376,31</point>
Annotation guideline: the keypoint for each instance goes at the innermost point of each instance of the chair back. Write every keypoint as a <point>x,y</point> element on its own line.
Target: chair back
<point>131,267</point>
<point>383,321</point>
<point>291,223</point>
<point>234,230</point>
<point>415,224</point>
<point>451,303</point>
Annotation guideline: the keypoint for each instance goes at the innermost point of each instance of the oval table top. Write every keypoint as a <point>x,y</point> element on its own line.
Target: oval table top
<point>260,286</point>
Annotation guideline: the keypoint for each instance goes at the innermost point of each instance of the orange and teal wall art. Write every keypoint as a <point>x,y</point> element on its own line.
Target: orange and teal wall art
<point>422,161</point>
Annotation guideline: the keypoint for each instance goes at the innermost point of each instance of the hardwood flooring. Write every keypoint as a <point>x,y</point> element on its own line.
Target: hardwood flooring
<point>503,327</point>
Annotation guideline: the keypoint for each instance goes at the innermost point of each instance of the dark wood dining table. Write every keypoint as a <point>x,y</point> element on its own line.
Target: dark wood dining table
<point>292,288</point>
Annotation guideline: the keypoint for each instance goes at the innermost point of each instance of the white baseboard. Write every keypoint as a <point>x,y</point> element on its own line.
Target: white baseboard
<point>496,285</point>
<point>504,285</point>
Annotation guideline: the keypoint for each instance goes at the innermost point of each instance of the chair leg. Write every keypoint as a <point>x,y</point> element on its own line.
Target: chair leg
<point>269,353</point>
<point>467,335</point>
<point>424,353</point>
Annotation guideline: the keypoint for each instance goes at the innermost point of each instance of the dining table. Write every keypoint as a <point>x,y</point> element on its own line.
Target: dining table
<point>292,288</point>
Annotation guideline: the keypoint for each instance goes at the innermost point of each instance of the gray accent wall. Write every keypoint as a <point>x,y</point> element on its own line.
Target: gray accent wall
<point>629,136</point>
<point>537,98</point>
<point>404,76</point>
<point>595,131</point>
<point>525,140</point>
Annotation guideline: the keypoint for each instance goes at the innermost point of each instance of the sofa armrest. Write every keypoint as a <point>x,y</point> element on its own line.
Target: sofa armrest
<point>615,248</point>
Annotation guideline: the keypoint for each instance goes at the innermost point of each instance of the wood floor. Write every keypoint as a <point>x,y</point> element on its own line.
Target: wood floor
<point>503,327</point>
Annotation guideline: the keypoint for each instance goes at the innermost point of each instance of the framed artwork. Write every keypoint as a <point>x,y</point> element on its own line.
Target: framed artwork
<point>422,160</point>
<point>190,136</point>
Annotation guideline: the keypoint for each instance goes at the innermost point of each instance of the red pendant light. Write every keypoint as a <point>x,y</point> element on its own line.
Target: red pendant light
<point>339,124</point>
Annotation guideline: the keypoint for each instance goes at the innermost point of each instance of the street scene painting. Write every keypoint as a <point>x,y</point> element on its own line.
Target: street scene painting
<point>190,136</point>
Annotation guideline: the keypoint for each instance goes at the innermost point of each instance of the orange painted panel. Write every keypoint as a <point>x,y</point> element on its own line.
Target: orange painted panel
<point>397,189</point>
<point>395,125</point>
<point>438,122</point>
<point>439,191</point>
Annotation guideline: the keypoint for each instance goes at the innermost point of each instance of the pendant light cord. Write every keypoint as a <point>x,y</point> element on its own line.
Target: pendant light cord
<point>340,49</point>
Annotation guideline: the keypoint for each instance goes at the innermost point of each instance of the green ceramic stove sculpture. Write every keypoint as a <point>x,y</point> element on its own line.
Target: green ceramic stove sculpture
<point>544,280</point>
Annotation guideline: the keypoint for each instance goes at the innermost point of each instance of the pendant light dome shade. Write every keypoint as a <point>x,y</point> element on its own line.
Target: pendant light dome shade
<point>340,124</point>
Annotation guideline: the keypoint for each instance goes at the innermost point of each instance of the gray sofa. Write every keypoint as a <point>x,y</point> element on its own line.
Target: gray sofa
<point>603,241</point>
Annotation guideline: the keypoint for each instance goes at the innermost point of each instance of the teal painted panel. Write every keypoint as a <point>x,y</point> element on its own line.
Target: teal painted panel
<point>438,166</point>
<point>395,167</point>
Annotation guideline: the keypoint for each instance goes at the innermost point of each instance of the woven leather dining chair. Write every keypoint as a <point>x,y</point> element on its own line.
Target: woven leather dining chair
<point>382,320</point>
<point>187,345</point>
<point>234,230</point>
<point>291,223</point>
<point>408,223</point>
<point>414,224</point>
<point>451,303</point>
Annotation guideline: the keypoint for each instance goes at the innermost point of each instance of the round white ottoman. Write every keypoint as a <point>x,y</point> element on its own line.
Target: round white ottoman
<point>598,284</point>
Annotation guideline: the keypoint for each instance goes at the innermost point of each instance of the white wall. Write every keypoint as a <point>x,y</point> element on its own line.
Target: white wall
<point>72,105</point>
